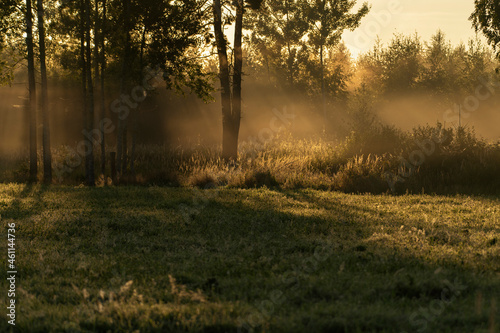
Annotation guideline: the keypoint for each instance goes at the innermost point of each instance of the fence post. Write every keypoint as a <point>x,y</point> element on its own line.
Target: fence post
<point>113,166</point>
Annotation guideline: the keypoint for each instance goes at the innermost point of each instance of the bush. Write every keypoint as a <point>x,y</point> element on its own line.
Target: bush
<point>363,175</point>
<point>202,179</point>
<point>260,178</point>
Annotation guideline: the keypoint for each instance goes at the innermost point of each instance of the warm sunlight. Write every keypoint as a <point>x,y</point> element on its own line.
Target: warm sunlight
<point>424,17</point>
<point>250,166</point>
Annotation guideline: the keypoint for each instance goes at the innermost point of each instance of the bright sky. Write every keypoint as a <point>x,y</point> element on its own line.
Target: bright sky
<point>409,16</point>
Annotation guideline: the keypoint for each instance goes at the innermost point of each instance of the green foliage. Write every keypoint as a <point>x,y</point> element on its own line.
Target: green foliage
<point>167,36</point>
<point>395,68</point>
<point>11,26</point>
<point>486,18</point>
<point>177,34</point>
<point>7,8</point>
<point>407,66</point>
<point>329,18</point>
<point>277,30</point>
<point>285,41</point>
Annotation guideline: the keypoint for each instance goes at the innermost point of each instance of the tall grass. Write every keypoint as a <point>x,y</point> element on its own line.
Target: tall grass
<point>432,159</point>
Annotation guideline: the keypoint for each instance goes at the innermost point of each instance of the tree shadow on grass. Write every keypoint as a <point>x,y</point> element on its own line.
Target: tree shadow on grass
<point>26,203</point>
<point>243,246</point>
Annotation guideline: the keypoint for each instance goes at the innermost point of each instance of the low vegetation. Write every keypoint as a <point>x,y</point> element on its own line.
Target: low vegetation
<point>162,259</point>
<point>378,159</point>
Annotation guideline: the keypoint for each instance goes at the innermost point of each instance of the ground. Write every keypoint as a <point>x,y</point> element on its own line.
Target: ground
<point>159,259</point>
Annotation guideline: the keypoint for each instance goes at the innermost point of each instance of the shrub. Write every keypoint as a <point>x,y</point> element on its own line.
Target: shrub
<point>363,175</point>
<point>260,178</point>
<point>202,179</point>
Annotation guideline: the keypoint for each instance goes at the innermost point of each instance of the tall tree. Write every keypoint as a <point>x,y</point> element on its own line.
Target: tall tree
<point>277,31</point>
<point>121,146</point>
<point>436,68</point>
<point>102,61</point>
<point>47,156</point>
<point>32,92</point>
<point>328,19</point>
<point>486,18</point>
<point>90,92</point>
<point>229,141</point>
<point>231,103</point>
<point>403,63</point>
<point>87,89</point>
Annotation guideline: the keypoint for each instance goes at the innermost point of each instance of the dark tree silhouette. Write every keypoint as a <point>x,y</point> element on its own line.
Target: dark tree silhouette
<point>100,68</point>
<point>231,103</point>
<point>47,156</point>
<point>486,18</point>
<point>32,92</point>
<point>121,146</point>
<point>87,89</point>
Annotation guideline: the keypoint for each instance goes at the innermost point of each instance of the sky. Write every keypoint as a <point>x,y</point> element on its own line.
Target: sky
<point>387,17</point>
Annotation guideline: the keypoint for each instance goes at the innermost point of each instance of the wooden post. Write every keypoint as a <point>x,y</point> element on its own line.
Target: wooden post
<point>113,166</point>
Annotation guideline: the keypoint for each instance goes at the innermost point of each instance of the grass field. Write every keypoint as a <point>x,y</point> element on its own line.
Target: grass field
<point>155,259</point>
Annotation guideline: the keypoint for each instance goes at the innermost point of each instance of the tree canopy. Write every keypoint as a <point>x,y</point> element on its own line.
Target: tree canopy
<point>486,18</point>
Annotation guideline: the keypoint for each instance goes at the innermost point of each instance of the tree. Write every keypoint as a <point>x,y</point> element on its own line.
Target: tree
<point>230,119</point>
<point>6,9</point>
<point>339,70</point>
<point>167,37</point>
<point>436,67</point>
<point>8,20</point>
<point>277,32</point>
<point>231,103</point>
<point>327,21</point>
<point>32,93</point>
<point>486,18</point>
<point>121,146</point>
<point>87,88</point>
<point>402,63</point>
<point>102,64</point>
<point>90,93</point>
<point>100,31</point>
<point>47,156</point>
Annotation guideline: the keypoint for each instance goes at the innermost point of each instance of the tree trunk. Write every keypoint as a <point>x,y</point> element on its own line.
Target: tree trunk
<point>321,47</point>
<point>86,70</point>
<point>83,65</point>
<point>133,137</point>
<point>90,96</point>
<point>121,146</point>
<point>289,49</point>
<point>125,145</point>
<point>229,136</point>
<point>103,105</point>
<point>323,97</point>
<point>47,156</point>
<point>32,94</point>
<point>97,63</point>
<point>135,115</point>
<point>97,38</point>
<point>238,66</point>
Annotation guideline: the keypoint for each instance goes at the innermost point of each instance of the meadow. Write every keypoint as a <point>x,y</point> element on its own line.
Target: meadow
<point>267,259</point>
